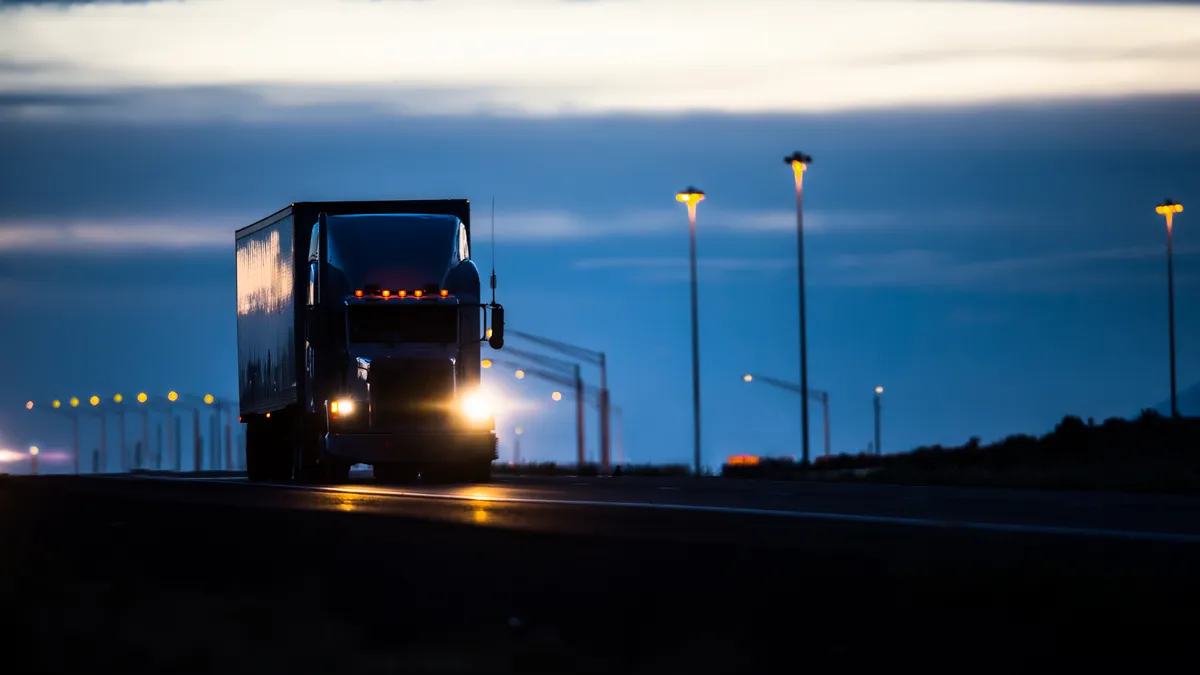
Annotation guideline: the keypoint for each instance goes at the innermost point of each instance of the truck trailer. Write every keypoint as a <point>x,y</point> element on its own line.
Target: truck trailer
<point>360,328</point>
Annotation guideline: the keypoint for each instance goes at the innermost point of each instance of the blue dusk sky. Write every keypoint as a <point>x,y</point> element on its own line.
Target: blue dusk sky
<point>980,228</point>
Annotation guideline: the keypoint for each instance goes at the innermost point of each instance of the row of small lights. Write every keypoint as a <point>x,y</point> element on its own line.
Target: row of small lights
<point>520,375</point>
<point>400,294</point>
<point>117,398</point>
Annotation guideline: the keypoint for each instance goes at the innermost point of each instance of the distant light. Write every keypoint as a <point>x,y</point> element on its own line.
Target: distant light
<point>29,405</point>
<point>118,398</point>
<point>417,294</point>
<point>402,293</point>
<point>56,404</point>
<point>385,294</point>
<point>445,292</point>
<point>74,402</point>
<point>488,333</point>
<point>690,195</point>
<point>358,294</point>
<point>557,396</point>
<point>142,398</point>
<point>208,399</point>
<point>518,431</point>
<point>95,400</point>
<point>33,450</point>
<point>486,363</point>
<point>520,374</point>
<point>748,377</point>
<point>878,390</point>
<point>172,396</point>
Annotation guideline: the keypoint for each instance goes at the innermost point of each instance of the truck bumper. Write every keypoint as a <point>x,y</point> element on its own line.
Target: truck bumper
<point>412,447</point>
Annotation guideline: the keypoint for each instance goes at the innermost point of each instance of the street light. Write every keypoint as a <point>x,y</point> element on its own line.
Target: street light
<point>1169,208</point>
<point>692,197</point>
<point>29,405</point>
<point>595,358</point>
<point>557,396</point>
<point>517,445</point>
<point>799,163</point>
<point>878,394</point>
<point>33,459</point>
<point>520,374</point>
<point>821,396</point>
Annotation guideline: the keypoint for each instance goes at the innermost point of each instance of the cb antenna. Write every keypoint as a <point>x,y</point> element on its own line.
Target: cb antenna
<point>493,249</point>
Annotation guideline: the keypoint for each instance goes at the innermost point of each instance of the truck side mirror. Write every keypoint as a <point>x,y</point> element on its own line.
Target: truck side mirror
<point>496,339</point>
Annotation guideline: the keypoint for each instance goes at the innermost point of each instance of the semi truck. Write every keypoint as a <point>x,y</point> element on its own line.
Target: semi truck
<point>360,327</point>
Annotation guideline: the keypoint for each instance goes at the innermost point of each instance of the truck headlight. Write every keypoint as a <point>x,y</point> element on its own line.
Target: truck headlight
<point>342,407</point>
<point>476,407</point>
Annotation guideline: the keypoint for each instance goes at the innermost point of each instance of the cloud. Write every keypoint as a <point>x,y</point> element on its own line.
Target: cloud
<point>922,268</point>
<point>547,57</point>
<point>527,227</point>
<point>96,236</point>
<point>913,268</point>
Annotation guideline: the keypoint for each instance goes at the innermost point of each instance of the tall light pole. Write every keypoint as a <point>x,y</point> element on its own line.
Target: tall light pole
<point>144,460</point>
<point>33,459</point>
<point>101,462</point>
<point>799,163</point>
<point>878,395</point>
<point>517,445</point>
<point>692,197</point>
<point>1169,208</point>
<point>118,399</point>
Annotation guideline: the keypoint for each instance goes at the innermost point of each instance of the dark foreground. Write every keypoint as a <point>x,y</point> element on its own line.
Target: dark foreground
<point>112,576</point>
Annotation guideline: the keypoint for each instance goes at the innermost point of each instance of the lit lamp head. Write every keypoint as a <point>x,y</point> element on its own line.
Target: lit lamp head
<point>799,163</point>
<point>29,405</point>
<point>74,402</point>
<point>142,397</point>
<point>1168,208</point>
<point>56,404</point>
<point>878,390</point>
<point>747,378</point>
<point>95,400</point>
<point>117,398</point>
<point>691,196</point>
<point>172,396</point>
<point>208,399</point>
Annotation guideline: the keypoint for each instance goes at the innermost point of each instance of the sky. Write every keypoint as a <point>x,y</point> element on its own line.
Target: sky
<point>979,216</point>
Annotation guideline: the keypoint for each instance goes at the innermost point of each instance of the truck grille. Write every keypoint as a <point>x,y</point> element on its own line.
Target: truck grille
<point>411,393</point>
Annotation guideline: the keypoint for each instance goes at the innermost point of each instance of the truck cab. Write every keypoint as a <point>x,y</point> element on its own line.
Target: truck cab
<point>397,381</point>
<point>360,331</point>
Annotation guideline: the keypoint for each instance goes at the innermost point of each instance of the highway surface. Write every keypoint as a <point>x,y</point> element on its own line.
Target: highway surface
<point>213,574</point>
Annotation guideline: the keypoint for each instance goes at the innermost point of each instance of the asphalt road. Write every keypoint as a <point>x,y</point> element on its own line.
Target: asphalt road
<point>584,575</point>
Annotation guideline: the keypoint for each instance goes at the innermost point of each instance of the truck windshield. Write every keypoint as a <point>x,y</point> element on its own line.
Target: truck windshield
<point>395,252</point>
<point>403,321</point>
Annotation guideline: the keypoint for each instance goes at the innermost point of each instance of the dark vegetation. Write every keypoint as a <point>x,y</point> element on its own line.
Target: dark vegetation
<point>1152,453</point>
<point>555,469</point>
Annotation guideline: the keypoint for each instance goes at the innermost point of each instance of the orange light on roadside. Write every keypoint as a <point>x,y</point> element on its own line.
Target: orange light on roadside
<point>486,363</point>
<point>95,400</point>
<point>358,294</point>
<point>743,460</point>
<point>417,294</point>
<point>385,293</point>
<point>56,404</point>
<point>29,405</point>
<point>402,293</point>
<point>142,397</point>
<point>445,292</point>
<point>172,396</point>
<point>117,398</point>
